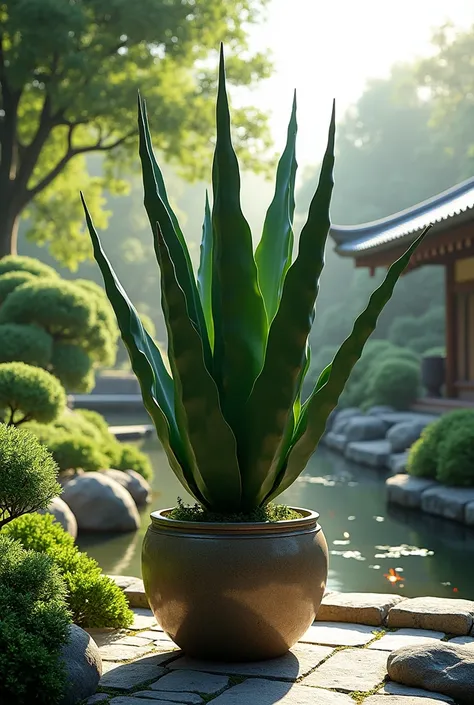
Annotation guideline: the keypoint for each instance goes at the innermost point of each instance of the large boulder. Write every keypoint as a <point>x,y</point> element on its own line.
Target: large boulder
<point>380,410</point>
<point>63,514</point>
<point>83,666</point>
<point>100,503</point>
<point>403,435</point>
<point>365,428</point>
<point>343,418</point>
<point>134,483</point>
<point>442,667</point>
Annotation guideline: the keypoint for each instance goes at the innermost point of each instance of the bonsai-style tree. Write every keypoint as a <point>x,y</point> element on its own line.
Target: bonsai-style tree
<point>66,327</point>
<point>29,393</point>
<point>27,474</point>
<point>230,415</point>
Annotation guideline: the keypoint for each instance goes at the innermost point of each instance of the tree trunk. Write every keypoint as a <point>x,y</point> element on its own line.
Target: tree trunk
<point>8,232</point>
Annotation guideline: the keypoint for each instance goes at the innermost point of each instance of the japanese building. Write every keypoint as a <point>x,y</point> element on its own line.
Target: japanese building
<point>449,243</point>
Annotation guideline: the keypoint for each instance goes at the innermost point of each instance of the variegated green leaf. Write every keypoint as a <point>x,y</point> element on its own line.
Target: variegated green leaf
<point>155,382</point>
<point>332,381</point>
<point>274,252</point>
<point>204,279</point>
<point>158,213</point>
<point>240,325</point>
<point>271,402</point>
<point>197,404</point>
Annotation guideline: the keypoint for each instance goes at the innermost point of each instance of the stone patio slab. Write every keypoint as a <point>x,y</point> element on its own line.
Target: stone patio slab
<point>399,700</point>
<point>155,635</point>
<point>124,652</point>
<point>143,619</point>
<point>255,691</point>
<point>293,665</point>
<point>134,700</point>
<point>130,675</point>
<point>448,502</point>
<point>188,698</point>
<point>406,637</point>
<point>357,607</point>
<point>406,490</point>
<point>338,634</point>
<point>106,636</point>
<point>434,613</point>
<point>135,640</point>
<point>372,453</point>
<point>350,670</point>
<point>392,688</point>
<point>135,594</point>
<point>191,682</point>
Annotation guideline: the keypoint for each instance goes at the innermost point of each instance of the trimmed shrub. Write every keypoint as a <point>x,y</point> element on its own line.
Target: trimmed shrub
<point>27,474</point>
<point>93,598</point>
<point>404,329</point>
<point>73,367</point>
<point>395,382</point>
<point>25,343</point>
<point>10,281</point>
<point>18,263</point>
<point>133,459</point>
<point>33,626</point>
<point>74,451</point>
<point>456,457</point>
<point>29,393</point>
<point>425,342</point>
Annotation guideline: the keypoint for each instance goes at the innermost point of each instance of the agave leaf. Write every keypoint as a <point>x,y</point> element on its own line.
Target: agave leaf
<point>270,405</point>
<point>274,252</point>
<point>333,379</point>
<point>204,280</point>
<point>158,213</point>
<point>196,396</point>
<point>155,382</point>
<point>240,325</point>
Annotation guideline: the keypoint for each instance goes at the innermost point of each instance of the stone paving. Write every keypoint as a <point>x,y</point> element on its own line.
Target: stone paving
<point>341,660</point>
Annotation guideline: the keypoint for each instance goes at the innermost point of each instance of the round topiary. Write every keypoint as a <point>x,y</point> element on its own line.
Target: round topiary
<point>394,383</point>
<point>24,343</point>
<point>425,342</point>
<point>19,263</point>
<point>29,393</point>
<point>34,626</point>
<point>93,598</point>
<point>73,367</point>
<point>73,451</point>
<point>10,280</point>
<point>403,329</point>
<point>133,459</point>
<point>101,343</point>
<point>27,474</point>
<point>456,457</point>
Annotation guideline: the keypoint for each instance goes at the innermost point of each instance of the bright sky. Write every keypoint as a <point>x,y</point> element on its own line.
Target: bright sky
<point>329,49</point>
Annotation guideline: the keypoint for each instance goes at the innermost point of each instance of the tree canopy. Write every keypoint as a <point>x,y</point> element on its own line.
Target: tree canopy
<point>69,77</point>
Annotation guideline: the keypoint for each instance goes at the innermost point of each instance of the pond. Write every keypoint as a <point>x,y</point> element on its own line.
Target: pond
<point>369,542</point>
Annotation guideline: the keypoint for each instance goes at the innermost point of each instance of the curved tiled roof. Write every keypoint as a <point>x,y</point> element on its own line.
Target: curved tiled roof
<point>454,204</point>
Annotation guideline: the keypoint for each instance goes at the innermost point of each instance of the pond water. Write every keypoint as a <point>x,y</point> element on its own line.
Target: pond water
<point>367,539</point>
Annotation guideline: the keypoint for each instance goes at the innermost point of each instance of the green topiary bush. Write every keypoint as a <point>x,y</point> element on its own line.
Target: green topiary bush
<point>72,451</point>
<point>425,342</point>
<point>93,598</point>
<point>133,459</point>
<point>27,474</point>
<point>18,263</point>
<point>34,626</point>
<point>29,393</point>
<point>395,382</point>
<point>73,367</point>
<point>25,343</point>
<point>10,281</point>
<point>456,456</point>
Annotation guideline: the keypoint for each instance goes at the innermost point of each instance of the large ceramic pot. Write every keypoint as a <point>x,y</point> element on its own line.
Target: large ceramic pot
<point>433,374</point>
<point>235,592</point>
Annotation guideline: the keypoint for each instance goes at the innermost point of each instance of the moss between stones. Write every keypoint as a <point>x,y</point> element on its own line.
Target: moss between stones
<point>270,513</point>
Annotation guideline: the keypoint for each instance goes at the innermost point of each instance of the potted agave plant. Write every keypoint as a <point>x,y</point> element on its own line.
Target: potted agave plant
<point>237,577</point>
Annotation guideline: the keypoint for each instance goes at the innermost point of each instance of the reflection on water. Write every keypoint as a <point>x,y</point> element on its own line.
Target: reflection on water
<point>373,547</point>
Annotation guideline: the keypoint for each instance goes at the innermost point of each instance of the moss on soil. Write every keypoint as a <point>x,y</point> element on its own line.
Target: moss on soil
<point>270,513</point>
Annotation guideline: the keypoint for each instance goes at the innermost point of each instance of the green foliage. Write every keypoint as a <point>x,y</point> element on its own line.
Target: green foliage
<point>435,352</point>
<point>10,281</point>
<point>424,459</point>
<point>85,104</point>
<point>270,513</point>
<point>131,458</point>
<point>73,451</point>
<point>27,474</point>
<point>73,367</point>
<point>33,627</point>
<point>25,343</point>
<point>395,382</point>
<point>93,598</point>
<point>233,398</point>
<point>456,456</point>
<point>405,330</point>
<point>30,265</point>
<point>29,393</point>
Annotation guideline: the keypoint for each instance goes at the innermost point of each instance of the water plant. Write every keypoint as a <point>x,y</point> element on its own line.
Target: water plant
<point>230,415</point>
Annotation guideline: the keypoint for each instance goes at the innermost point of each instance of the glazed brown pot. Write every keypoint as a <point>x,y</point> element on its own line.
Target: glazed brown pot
<point>235,592</point>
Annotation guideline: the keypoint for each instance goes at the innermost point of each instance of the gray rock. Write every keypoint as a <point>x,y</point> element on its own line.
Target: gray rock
<point>441,667</point>
<point>443,614</point>
<point>380,410</point>
<point>407,490</point>
<point>343,418</point>
<point>101,504</point>
<point>469,514</point>
<point>336,441</point>
<point>134,483</point>
<point>448,502</point>
<point>372,453</point>
<point>350,670</point>
<point>402,435</point>
<point>357,607</point>
<point>368,428</point>
<point>62,513</point>
<point>397,463</point>
<point>83,665</point>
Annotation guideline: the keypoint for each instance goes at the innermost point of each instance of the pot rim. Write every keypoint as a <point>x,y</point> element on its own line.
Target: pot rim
<point>308,520</point>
